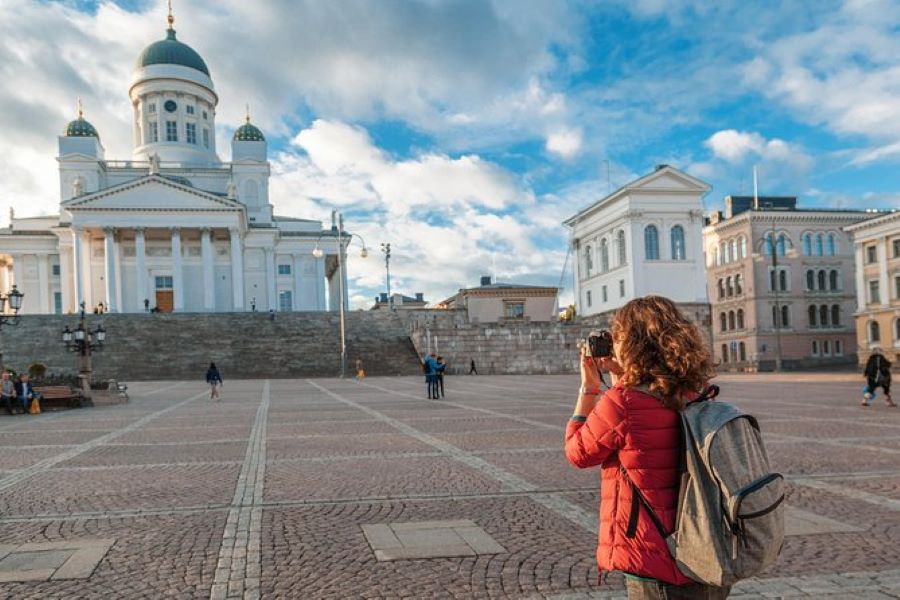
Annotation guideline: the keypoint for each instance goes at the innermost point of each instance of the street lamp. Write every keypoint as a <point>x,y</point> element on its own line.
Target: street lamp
<point>386,248</point>
<point>319,253</point>
<point>84,340</point>
<point>14,297</point>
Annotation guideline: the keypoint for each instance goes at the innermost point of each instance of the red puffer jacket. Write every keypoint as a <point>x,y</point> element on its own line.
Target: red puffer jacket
<point>632,428</point>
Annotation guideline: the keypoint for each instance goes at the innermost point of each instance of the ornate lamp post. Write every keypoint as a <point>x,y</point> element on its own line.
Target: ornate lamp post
<point>84,341</point>
<point>341,258</point>
<point>386,248</point>
<point>14,297</point>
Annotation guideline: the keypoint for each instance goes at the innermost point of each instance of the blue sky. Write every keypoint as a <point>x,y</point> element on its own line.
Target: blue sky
<point>465,131</point>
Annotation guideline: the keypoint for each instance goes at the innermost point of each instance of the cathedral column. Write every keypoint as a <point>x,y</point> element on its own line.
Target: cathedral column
<point>109,254</point>
<point>237,268</point>
<point>177,272</point>
<point>140,268</point>
<point>65,277</point>
<point>78,267</point>
<point>43,263</point>
<point>296,271</point>
<point>272,288</point>
<point>320,284</point>
<point>117,264</point>
<point>206,250</point>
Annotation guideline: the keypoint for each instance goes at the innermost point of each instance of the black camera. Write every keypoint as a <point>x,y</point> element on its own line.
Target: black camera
<point>599,344</point>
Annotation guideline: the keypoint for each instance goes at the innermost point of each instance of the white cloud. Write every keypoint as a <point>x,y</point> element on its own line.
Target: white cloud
<point>734,146</point>
<point>565,142</point>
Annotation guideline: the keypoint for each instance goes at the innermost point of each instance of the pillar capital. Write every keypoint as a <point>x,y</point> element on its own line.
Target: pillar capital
<point>140,230</point>
<point>175,230</point>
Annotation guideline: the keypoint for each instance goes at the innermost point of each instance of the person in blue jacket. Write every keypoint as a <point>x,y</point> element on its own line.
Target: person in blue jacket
<point>214,379</point>
<point>430,366</point>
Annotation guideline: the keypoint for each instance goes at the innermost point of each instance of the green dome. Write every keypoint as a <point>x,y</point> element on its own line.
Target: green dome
<point>171,52</point>
<point>81,128</point>
<point>248,133</point>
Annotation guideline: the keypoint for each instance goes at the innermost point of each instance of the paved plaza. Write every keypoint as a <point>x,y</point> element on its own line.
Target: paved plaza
<point>331,489</point>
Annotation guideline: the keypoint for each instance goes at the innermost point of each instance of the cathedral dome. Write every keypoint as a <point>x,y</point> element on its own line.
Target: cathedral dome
<point>171,52</point>
<point>81,128</point>
<point>248,133</point>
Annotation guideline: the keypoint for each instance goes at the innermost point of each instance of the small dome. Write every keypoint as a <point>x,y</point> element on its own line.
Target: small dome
<point>248,133</point>
<point>81,128</point>
<point>171,52</point>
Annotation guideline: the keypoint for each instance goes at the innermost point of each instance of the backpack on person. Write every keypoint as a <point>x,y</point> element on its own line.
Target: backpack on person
<point>730,515</point>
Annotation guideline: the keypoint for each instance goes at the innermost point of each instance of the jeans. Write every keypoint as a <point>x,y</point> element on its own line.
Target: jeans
<point>8,403</point>
<point>657,590</point>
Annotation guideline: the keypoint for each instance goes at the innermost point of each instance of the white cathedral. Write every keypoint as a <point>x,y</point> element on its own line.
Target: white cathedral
<point>174,228</point>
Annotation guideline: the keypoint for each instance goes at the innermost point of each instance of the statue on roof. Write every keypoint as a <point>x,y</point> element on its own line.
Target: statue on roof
<point>154,164</point>
<point>231,190</point>
<point>77,187</point>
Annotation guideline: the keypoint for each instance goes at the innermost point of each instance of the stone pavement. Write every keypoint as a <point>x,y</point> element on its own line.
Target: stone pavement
<point>329,489</point>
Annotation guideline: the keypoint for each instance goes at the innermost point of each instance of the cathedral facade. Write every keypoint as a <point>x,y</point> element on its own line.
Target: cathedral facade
<point>173,228</point>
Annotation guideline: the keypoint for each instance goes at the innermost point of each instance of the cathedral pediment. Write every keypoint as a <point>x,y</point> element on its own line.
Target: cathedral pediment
<point>669,179</point>
<point>152,193</point>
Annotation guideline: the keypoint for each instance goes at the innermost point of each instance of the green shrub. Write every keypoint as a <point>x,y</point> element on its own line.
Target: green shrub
<point>37,370</point>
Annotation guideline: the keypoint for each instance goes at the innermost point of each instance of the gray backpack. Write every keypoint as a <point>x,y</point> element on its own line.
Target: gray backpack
<point>730,516</point>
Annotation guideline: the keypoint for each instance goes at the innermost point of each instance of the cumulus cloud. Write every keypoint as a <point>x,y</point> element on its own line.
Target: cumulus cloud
<point>565,142</point>
<point>782,162</point>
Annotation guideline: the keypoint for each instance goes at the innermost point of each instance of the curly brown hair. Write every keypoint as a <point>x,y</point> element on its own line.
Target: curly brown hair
<point>658,347</point>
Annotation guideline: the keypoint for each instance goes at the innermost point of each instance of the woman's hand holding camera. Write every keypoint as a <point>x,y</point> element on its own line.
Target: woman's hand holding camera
<point>590,380</point>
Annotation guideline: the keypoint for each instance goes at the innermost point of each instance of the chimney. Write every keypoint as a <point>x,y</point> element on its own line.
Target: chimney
<point>485,280</point>
<point>420,297</point>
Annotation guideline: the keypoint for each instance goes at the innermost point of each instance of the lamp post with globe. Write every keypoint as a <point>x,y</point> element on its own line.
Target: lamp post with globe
<point>14,297</point>
<point>84,341</point>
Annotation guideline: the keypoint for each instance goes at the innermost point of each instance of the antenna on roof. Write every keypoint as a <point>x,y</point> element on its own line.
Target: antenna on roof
<point>755,190</point>
<point>171,17</point>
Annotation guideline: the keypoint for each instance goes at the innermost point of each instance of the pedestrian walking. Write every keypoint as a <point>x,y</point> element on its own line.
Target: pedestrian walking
<point>658,364</point>
<point>430,366</point>
<point>441,368</point>
<point>472,370</point>
<point>214,379</point>
<point>7,392</point>
<point>878,375</point>
<point>360,371</point>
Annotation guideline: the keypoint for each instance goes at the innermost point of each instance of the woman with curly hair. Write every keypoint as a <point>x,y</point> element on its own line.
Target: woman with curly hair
<point>659,364</point>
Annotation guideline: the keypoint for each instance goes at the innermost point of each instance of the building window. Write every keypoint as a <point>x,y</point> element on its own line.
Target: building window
<point>651,242</point>
<point>603,292</point>
<point>588,296</point>
<point>830,248</point>
<point>895,244</point>
<point>768,243</point>
<point>782,245</point>
<point>55,270</point>
<point>731,322</point>
<point>738,285</point>
<point>896,330</point>
<point>718,256</point>
<point>723,322</point>
<point>206,138</point>
<point>604,255</point>
<point>815,348</point>
<point>810,280</point>
<point>285,301</point>
<point>724,353</point>
<point>874,292</point>
<point>785,317</point>
<point>620,248</point>
<point>833,280</point>
<point>721,285</point>
<point>782,280</point>
<point>151,108</point>
<point>163,282</point>
<point>874,332</point>
<point>621,288</point>
<point>588,260</point>
<point>820,245</point>
<point>729,289</point>
<point>678,252</point>
<point>284,269</point>
<point>191,133</point>
<point>190,109</point>
<point>838,349</point>
<point>871,254</point>
<point>742,349</point>
<point>897,288</point>
<point>823,316</point>
<point>821,280</point>
<point>807,244</point>
<point>152,132</point>
<point>516,310</point>
<point>205,116</point>
<point>813,316</point>
<point>835,315</point>
<point>732,250</point>
<point>742,247</point>
<point>740,318</point>
<point>772,278</point>
<point>171,131</point>
<point>57,303</point>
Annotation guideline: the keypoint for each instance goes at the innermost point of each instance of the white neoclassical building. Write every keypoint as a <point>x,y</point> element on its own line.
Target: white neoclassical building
<point>174,227</point>
<point>644,238</point>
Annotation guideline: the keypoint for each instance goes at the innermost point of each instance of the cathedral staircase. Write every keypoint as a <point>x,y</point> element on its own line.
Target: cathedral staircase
<point>243,345</point>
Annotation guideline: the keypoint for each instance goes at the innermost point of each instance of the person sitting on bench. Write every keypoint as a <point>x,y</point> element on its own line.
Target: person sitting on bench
<point>25,392</point>
<point>7,392</point>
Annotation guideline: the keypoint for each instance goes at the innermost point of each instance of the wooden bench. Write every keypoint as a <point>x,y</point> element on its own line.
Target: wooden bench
<point>58,396</point>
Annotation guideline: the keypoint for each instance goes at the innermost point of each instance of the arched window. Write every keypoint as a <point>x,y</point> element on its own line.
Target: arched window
<point>774,316</point>
<point>717,258</point>
<point>588,259</point>
<point>742,348</point>
<point>897,329</point>
<point>830,247</point>
<point>742,247</point>
<point>767,244</point>
<point>651,242</point>
<point>833,280</point>
<point>782,245</point>
<point>731,321</point>
<point>807,244</point>
<point>785,317</point>
<point>738,284</point>
<point>815,348</point>
<point>729,289</point>
<point>782,280</point>
<point>836,315</point>
<point>620,247</point>
<point>813,316</point>
<point>721,289</point>
<point>604,255</point>
<point>724,353</point>
<point>874,332</point>
<point>821,280</point>
<point>723,253</point>
<point>740,318</point>
<point>723,322</point>
<point>678,250</point>
<point>820,245</point>
<point>810,279</point>
<point>732,251</point>
<point>823,315</point>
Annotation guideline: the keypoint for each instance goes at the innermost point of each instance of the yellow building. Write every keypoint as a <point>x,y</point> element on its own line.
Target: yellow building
<point>877,243</point>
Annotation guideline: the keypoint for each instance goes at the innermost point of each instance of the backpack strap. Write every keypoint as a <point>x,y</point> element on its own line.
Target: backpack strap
<point>637,499</point>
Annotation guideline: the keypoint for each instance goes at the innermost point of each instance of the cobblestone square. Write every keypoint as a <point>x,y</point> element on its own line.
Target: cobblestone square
<point>266,493</point>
